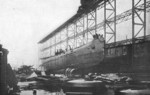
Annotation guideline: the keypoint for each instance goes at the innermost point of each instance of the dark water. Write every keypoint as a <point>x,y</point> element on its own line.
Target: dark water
<point>40,92</point>
<point>25,90</point>
<point>44,90</point>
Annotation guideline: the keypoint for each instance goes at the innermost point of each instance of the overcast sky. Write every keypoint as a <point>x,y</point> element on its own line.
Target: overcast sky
<point>24,22</point>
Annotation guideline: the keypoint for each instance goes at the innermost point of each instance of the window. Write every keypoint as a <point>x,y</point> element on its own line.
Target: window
<point>119,51</point>
<point>124,51</point>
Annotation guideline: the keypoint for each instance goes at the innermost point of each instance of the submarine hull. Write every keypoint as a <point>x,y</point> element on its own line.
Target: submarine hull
<point>85,56</point>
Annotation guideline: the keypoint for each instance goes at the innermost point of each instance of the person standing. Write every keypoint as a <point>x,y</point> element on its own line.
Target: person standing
<point>34,92</point>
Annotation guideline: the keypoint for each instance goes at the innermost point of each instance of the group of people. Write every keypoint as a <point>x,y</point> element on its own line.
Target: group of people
<point>97,36</point>
<point>60,51</point>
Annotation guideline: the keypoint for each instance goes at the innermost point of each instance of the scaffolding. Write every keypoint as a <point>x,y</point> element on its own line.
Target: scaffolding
<point>79,30</point>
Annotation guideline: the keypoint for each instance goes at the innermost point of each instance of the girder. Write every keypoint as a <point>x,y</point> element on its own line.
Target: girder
<point>79,30</point>
<point>140,23</point>
<point>109,12</point>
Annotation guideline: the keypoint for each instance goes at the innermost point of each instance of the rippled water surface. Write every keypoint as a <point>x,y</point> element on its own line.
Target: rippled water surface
<point>24,91</point>
<point>46,89</point>
<point>40,92</point>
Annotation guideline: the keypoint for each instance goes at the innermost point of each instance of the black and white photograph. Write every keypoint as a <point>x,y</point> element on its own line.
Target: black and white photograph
<point>74,47</point>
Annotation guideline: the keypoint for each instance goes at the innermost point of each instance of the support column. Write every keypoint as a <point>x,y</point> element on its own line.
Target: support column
<point>140,14</point>
<point>67,37</point>
<point>55,43</point>
<point>80,30</point>
<point>91,22</point>
<point>50,49</point>
<point>110,6</point>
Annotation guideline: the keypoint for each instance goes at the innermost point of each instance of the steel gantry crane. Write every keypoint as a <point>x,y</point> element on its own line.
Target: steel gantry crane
<point>79,29</point>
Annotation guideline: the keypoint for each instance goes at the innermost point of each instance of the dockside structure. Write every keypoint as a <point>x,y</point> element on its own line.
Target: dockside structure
<point>80,28</point>
<point>7,77</point>
<point>3,64</point>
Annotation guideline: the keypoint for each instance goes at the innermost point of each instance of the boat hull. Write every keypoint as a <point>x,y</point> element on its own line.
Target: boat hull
<point>84,56</point>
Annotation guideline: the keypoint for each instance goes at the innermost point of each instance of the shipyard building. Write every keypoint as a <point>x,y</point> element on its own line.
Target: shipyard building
<point>104,36</point>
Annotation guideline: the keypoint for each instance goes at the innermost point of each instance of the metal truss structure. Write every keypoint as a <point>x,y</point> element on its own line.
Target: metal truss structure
<point>109,12</point>
<point>140,22</point>
<point>80,30</point>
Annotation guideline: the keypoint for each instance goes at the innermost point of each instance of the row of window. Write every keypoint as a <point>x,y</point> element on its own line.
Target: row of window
<point>139,49</point>
<point>117,51</point>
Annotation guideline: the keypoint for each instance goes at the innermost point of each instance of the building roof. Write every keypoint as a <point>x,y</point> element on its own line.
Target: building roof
<point>59,28</point>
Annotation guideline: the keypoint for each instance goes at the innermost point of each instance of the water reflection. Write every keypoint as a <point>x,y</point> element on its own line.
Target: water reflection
<point>41,89</point>
<point>27,88</point>
<point>40,92</point>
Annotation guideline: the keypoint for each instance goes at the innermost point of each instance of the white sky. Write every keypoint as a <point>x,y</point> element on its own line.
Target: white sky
<point>24,22</point>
